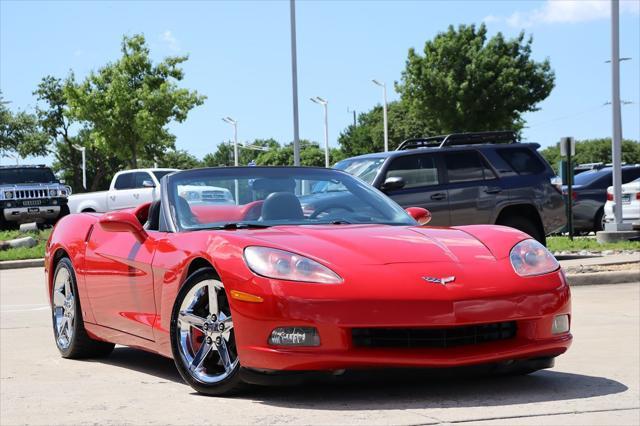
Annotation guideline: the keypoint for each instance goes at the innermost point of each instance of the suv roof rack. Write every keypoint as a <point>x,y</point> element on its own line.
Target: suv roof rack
<point>472,138</point>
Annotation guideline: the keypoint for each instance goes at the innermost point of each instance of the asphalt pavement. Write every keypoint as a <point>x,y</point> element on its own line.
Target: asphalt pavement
<point>596,382</point>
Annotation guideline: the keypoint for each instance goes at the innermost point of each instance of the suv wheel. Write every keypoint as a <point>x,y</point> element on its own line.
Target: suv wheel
<point>525,225</point>
<point>598,220</point>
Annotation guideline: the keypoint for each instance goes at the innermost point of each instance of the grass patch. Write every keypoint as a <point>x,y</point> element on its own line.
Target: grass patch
<point>21,253</point>
<point>589,244</point>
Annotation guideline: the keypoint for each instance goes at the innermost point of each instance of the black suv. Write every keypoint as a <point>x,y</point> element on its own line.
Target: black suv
<point>469,178</point>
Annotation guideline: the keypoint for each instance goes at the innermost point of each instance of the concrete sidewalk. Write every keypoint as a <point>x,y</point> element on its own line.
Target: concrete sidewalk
<point>614,259</point>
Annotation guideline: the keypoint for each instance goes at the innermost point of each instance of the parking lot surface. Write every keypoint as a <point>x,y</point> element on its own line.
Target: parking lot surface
<point>596,382</point>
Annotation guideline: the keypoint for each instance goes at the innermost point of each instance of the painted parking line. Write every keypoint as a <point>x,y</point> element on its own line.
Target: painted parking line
<point>23,308</point>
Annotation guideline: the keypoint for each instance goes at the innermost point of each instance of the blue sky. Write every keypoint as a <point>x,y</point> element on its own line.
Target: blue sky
<point>240,57</point>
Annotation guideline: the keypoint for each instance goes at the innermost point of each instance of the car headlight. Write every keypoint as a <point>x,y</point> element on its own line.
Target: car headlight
<point>284,265</point>
<point>8,195</point>
<point>529,258</point>
<point>53,193</point>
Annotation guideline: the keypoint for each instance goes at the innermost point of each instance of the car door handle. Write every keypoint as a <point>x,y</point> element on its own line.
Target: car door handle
<point>136,195</point>
<point>493,190</point>
<point>113,197</point>
<point>439,196</point>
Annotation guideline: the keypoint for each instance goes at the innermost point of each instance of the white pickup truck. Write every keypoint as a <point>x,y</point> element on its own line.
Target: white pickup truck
<point>129,188</point>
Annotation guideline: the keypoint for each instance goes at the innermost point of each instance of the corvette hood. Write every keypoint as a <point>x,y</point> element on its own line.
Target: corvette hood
<point>375,244</point>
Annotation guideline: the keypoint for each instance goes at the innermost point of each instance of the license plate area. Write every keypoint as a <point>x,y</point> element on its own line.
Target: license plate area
<point>33,210</point>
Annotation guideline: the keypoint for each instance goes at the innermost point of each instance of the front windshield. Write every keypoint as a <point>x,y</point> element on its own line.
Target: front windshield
<point>26,175</point>
<point>364,168</point>
<point>270,196</point>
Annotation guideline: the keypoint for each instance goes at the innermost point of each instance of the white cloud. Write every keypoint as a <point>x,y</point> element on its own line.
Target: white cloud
<point>171,41</point>
<point>565,11</point>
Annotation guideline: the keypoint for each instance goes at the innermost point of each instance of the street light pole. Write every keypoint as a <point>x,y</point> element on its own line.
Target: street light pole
<point>384,113</point>
<point>83,150</point>
<point>318,100</point>
<point>294,83</point>
<point>234,123</point>
<point>616,148</point>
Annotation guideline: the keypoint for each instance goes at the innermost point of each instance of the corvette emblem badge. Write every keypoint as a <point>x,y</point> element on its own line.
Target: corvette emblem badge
<point>441,281</point>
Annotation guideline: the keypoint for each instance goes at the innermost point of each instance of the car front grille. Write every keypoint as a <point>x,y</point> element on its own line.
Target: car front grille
<point>432,337</point>
<point>213,195</point>
<point>22,194</point>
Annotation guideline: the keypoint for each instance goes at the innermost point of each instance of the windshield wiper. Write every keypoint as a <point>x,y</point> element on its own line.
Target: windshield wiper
<point>242,225</point>
<point>339,222</point>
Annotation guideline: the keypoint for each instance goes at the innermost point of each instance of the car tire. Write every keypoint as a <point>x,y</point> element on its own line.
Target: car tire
<point>525,225</point>
<point>69,333</point>
<point>205,354</point>
<point>598,220</point>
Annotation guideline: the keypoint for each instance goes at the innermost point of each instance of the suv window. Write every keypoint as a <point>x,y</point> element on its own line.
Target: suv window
<point>124,181</point>
<point>139,179</point>
<point>19,175</point>
<point>522,160</point>
<point>466,166</point>
<point>630,174</point>
<point>416,170</point>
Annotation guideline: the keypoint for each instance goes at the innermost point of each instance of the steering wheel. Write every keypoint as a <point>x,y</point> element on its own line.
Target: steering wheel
<point>327,207</point>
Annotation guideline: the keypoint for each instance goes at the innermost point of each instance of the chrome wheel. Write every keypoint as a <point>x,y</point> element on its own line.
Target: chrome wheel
<point>64,304</point>
<point>205,333</point>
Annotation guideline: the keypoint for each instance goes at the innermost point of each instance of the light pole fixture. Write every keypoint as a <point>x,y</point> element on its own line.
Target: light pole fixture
<point>320,101</point>
<point>83,150</point>
<point>384,113</point>
<point>234,123</point>
<point>236,160</point>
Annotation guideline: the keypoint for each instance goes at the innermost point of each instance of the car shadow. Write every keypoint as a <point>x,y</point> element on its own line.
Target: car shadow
<point>396,389</point>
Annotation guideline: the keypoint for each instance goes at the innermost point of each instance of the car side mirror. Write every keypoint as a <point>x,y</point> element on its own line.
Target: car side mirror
<point>422,216</point>
<point>391,183</point>
<point>148,184</point>
<point>123,222</point>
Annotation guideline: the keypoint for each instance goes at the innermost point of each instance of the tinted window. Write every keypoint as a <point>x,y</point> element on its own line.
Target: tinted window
<point>466,166</point>
<point>585,178</point>
<point>124,181</point>
<point>139,179</point>
<point>26,175</point>
<point>160,173</point>
<point>630,174</point>
<point>522,161</point>
<point>416,170</point>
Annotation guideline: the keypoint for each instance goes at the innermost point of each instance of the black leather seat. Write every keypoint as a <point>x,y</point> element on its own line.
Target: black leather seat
<point>153,217</point>
<point>282,206</point>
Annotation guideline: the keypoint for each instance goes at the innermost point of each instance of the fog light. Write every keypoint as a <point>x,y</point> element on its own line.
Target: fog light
<point>295,336</point>
<point>560,324</point>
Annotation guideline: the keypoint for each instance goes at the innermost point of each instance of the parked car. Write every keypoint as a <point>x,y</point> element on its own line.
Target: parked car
<point>590,194</point>
<point>31,194</point>
<point>469,178</point>
<point>256,291</point>
<point>630,204</point>
<point>129,188</point>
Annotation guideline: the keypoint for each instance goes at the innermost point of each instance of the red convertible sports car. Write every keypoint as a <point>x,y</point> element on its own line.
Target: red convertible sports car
<point>284,281</point>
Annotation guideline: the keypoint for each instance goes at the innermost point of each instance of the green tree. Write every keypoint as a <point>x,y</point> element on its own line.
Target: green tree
<point>130,102</point>
<point>368,135</point>
<point>466,82</point>
<point>20,134</point>
<point>594,151</point>
<point>310,155</point>
<point>178,159</point>
<point>223,156</point>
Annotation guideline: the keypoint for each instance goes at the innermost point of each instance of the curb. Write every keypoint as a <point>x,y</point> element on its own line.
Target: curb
<point>19,264</point>
<point>598,278</point>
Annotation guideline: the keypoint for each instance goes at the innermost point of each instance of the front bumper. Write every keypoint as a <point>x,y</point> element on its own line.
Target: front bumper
<point>31,214</point>
<point>334,319</point>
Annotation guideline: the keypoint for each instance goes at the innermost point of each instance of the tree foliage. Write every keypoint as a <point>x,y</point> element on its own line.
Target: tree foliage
<point>311,155</point>
<point>464,81</point>
<point>20,134</point>
<point>130,102</point>
<point>368,135</point>
<point>594,151</point>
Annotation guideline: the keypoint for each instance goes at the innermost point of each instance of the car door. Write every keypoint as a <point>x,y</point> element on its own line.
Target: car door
<point>119,281</point>
<point>120,196</point>
<point>423,185</point>
<point>145,188</point>
<point>472,188</point>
